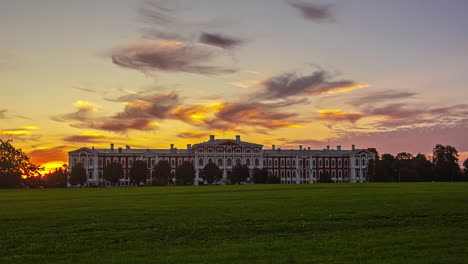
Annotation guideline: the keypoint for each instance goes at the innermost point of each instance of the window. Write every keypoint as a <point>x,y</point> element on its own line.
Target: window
<point>91,161</point>
<point>247,162</point>
<point>100,174</point>
<point>122,161</point>
<point>313,163</point>
<point>333,174</point>
<point>288,163</point>
<point>247,150</point>
<point>220,150</point>
<point>276,162</point>
<point>220,162</point>
<point>238,150</point>
<point>363,162</point>
<point>339,163</point>
<point>210,150</point>
<point>229,162</point>
<point>90,175</point>
<point>257,163</point>
<point>282,173</point>
<point>346,174</point>
<point>282,162</point>
<point>210,161</point>
<point>288,174</point>
<point>200,162</point>
<point>238,161</point>
<point>300,163</point>
<point>346,163</point>
<point>256,150</point>
<point>307,162</point>
<point>100,162</point>
<point>320,163</point>
<point>228,150</point>
<point>333,163</point>
<point>173,162</point>
<point>314,173</point>
<point>340,174</point>
<point>326,163</point>
<point>294,162</point>
<point>130,162</point>
<point>270,163</point>
<point>200,150</point>
<point>357,162</point>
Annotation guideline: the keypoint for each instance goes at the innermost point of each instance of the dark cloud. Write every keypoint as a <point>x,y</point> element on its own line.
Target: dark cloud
<point>124,125</point>
<point>220,40</point>
<point>86,138</point>
<point>382,96</point>
<point>84,113</point>
<point>315,12</point>
<point>148,105</point>
<point>2,113</point>
<point>237,116</point>
<point>338,115</point>
<point>192,135</point>
<point>290,84</point>
<point>169,56</point>
<point>84,89</point>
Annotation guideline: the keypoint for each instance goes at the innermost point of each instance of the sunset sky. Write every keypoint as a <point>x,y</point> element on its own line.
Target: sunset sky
<point>375,73</point>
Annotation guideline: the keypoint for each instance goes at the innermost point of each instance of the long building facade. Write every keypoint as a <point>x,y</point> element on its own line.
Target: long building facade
<point>292,166</point>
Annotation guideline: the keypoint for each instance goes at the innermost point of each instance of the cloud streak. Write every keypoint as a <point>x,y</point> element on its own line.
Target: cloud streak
<point>220,40</point>
<point>167,56</point>
<point>318,13</point>
<point>316,83</point>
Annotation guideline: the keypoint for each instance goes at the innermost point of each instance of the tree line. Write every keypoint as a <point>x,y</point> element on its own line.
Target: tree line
<point>443,166</point>
<point>16,171</point>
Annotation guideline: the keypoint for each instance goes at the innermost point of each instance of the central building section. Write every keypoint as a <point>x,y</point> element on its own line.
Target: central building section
<point>227,153</point>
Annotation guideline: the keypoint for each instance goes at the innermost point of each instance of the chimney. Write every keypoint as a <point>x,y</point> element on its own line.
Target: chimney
<point>127,147</point>
<point>120,150</point>
<point>308,148</point>
<point>112,147</point>
<point>237,137</point>
<point>300,147</point>
<point>338,148</point>
<point>92,148</point>
<point>353,147</point>
<point>172,146</point>
<point>273,147</point>
<point>189,146</point>
<point>212,137</point>
<point>328,147</point>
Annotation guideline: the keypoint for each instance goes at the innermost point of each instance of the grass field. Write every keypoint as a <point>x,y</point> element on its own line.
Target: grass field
<point>325,223</point>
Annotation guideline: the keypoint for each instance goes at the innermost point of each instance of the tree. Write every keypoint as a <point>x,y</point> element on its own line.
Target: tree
<point>212,173</point>
<point>239,174</point>
<point>272,179</point>
<point>260,176</point>
<point>325,177</point>
<point>185,174</point>
<point>465,169</point>
<point>423,167</point>
<point>113,173</point>
<point>57,179</point>
<point>161,173</point>
<point>385,169</point>
<point>371,169</point>
<point>138,172</point>
<point>14,164</point>
<point>77,175</point>
<point>445,160</point>
<point>404,156</point>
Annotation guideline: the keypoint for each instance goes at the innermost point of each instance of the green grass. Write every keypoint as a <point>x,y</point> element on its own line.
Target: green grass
<point>325,223</point>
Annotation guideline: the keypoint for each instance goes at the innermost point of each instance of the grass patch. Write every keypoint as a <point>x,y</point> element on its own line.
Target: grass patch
<point>325,223</point>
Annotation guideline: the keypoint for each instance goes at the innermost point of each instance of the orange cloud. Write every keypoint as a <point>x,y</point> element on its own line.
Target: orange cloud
<point>338,115</point>
<point>191,134</point>
<point>196,113</point>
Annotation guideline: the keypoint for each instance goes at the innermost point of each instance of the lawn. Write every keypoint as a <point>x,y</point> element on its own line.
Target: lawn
<point>324,223</point>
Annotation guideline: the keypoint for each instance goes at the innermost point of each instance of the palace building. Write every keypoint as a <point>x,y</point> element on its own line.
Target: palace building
<point>292,166</point>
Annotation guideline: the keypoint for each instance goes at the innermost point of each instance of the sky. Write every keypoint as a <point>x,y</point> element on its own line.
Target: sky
<point>374,73</point>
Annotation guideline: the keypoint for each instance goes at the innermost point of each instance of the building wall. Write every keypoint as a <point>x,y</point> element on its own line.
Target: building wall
<point>300,166</point>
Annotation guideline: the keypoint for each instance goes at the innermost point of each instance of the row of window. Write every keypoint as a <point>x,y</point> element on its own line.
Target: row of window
<point>228,150</point>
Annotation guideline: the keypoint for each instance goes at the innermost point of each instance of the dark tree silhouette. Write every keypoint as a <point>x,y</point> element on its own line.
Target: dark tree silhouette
<point>445,160</point>
<point>259,176</point>
<point>272,179</point>
<point>326,177</point>
<point>57,179</point>
<point>371,170</point>
<point>404,156</point>
<point>465,169</point>
<point>77,175</point>
<point>212,173</point>
<point>161,173</point>
<point>185,174</point>
<point>14,164</point>
<point>240,173</point>
<point>113,173</point>
<point>138,172</point>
